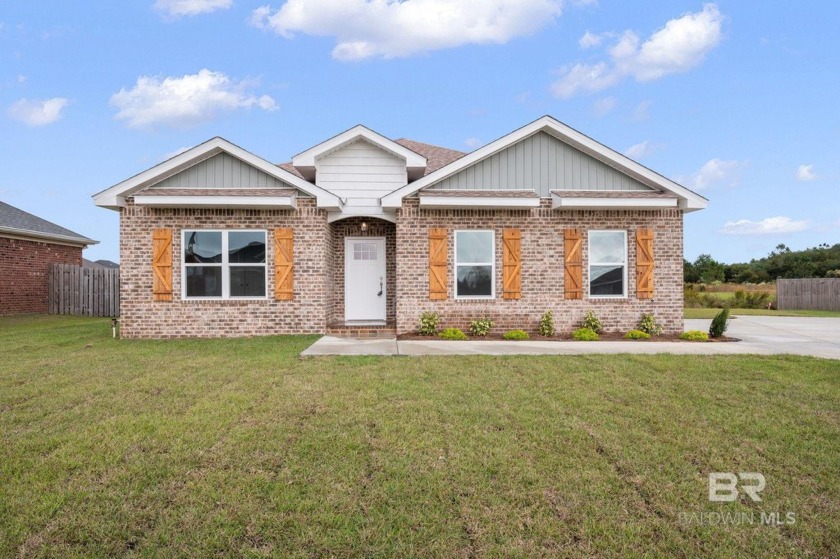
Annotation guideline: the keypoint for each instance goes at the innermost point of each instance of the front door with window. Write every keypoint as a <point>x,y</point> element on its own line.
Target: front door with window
<point>364,279</point>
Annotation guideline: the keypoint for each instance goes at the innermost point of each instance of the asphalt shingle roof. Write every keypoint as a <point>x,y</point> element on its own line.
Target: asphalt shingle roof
<point>14,220</point>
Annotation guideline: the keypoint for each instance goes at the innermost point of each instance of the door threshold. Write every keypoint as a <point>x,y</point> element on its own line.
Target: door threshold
<point>365,323</point>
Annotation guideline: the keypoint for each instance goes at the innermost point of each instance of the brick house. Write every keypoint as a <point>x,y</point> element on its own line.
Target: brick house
<point>28,246</point>
<point>361,230</point>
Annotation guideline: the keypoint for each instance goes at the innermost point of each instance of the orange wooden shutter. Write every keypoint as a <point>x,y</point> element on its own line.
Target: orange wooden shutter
<point>573,259</point>
<point>437,265</point>
<point>284,274</point>
<point>511,264</point>
<point>644,263</point>
<point>162,265</point>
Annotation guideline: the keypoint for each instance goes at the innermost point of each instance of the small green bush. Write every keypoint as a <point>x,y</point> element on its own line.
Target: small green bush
<point>585,335</point>
<point>636,335</point>
<point>648,325</point>
<point>452,334</point>
<point>481,327</point>
<point>547,324</point>
<point>428,323</point>
<point>516,335</point>
<point>591,321</point>
<point>719,323</point>
<point>694,336</point>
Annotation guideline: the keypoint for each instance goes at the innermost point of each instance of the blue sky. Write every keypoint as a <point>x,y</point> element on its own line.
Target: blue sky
<point>737,100</point>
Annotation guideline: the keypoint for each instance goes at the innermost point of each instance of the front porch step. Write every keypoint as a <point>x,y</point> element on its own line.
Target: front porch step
<point>343,330</point>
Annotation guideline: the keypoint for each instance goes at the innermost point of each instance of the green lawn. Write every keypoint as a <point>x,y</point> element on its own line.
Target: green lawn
<point>241,448</point>
<point>710,313</point>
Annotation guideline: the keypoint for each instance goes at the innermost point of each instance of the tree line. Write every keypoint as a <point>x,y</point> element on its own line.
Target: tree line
<point>822,261</point>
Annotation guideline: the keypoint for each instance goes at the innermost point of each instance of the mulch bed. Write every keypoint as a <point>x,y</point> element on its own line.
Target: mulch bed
<point>604,337</point>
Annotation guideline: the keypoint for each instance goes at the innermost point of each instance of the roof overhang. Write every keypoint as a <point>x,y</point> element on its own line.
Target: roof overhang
<point>627,202</point>
<point>231,202</point>
<point>489,199</point>
<point>115,197</point>
<point>688,200</point>
<point>37,236</point>
<point>306,162</point>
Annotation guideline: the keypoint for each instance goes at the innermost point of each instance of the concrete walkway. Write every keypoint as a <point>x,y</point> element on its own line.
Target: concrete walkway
<point>766,335</point>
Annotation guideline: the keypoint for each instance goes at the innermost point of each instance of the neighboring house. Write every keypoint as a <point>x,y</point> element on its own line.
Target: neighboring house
<point>363,230</point>
<point>28,246</point>
<point>100,264</point>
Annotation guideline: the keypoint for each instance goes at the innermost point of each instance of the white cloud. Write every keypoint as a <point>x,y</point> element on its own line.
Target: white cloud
<point>806,173</point>
<point>33,112</point>
<point>178,151</point>
<point>641,150</point>
<point>642,111</point>
<point>179,8</point>
<point>472,143</point>
<point>767,226</point>
<point>184,101</point>
<point>605,106</point>
<point>589,40</point>
<point>715,172</point>
<point>678,47</point>
<point>388,29</point>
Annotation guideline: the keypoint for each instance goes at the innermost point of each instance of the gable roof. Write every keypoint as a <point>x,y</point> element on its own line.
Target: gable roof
<point>688,200</point>
<point>436,156</point>
<point>16,222</point>
<point>304,162</point>
<point>114,197</point>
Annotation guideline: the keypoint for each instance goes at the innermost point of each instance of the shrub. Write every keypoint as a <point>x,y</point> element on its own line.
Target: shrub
<point>452,334</point>
<point>585,335</point>
<point>481,327</point>
<point>648,325</point>
<point>694,336</point>
<point>719,323</point>
<point>591,321</point>
<point>547,324</point>
<point>750,299</point>
<point>516,335</point>
<point>636,335</point>
<point>428,323</point>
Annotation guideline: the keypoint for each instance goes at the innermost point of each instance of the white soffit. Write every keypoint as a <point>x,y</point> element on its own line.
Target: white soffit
<point>242,202</point>
<point>624,203</point>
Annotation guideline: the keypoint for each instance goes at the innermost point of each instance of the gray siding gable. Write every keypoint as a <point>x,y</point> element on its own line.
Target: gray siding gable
<point>222,171</point>
<point>542,163</point>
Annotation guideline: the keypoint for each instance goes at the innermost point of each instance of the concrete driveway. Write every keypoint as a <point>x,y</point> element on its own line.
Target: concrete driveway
<point>766,335</point>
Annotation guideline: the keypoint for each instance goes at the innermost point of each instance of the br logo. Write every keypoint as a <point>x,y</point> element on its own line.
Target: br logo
<point>723,486</point>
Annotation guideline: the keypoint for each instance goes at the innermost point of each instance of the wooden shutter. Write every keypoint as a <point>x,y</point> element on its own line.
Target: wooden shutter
<point>573,263</point>
<point>644,263</point>
<point>511,264</point>
<point>162,265</point>
<point>437,265</point>
<point>284,274</point>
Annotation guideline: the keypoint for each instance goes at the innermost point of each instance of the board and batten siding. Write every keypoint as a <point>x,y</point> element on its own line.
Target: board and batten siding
<point>542,163</point>
<point>360,170</point>
<point>221,171</point>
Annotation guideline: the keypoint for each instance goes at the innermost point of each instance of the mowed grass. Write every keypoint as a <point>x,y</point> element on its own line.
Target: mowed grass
<point>217,448</point>
<point>710,313</point>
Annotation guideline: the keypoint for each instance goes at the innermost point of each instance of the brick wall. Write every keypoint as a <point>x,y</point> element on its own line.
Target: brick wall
<point>542,268</point>
<point>306,313</point>
<point>24,271</point>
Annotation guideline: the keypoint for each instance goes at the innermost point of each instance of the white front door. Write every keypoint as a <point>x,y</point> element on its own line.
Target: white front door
<point>364,279</point>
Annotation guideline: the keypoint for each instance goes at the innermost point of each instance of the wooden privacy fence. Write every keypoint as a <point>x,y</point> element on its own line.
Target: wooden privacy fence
<point>822,294</point>
<point>84,291</point>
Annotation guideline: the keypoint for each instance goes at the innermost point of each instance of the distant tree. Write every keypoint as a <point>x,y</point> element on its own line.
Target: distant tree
<point>708,269</point>
<point>690,275</point>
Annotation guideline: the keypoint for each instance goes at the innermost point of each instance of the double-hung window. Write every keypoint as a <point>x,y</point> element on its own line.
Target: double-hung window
<point>224,264</point>
<point>608,263</point>
<point>474,264</point>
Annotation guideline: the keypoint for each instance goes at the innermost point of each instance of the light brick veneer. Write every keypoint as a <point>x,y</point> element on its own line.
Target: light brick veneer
<point>143,318</point>
<point>542,268</point>
<point>24,273</point>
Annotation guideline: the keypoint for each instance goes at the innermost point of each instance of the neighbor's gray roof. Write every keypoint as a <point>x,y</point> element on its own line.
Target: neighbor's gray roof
<point>18,222</point>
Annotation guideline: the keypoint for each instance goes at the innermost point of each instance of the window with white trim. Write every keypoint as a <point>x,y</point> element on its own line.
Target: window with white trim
<point>475,265</point>
<point>608,263</point>
<point>224,264</point>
